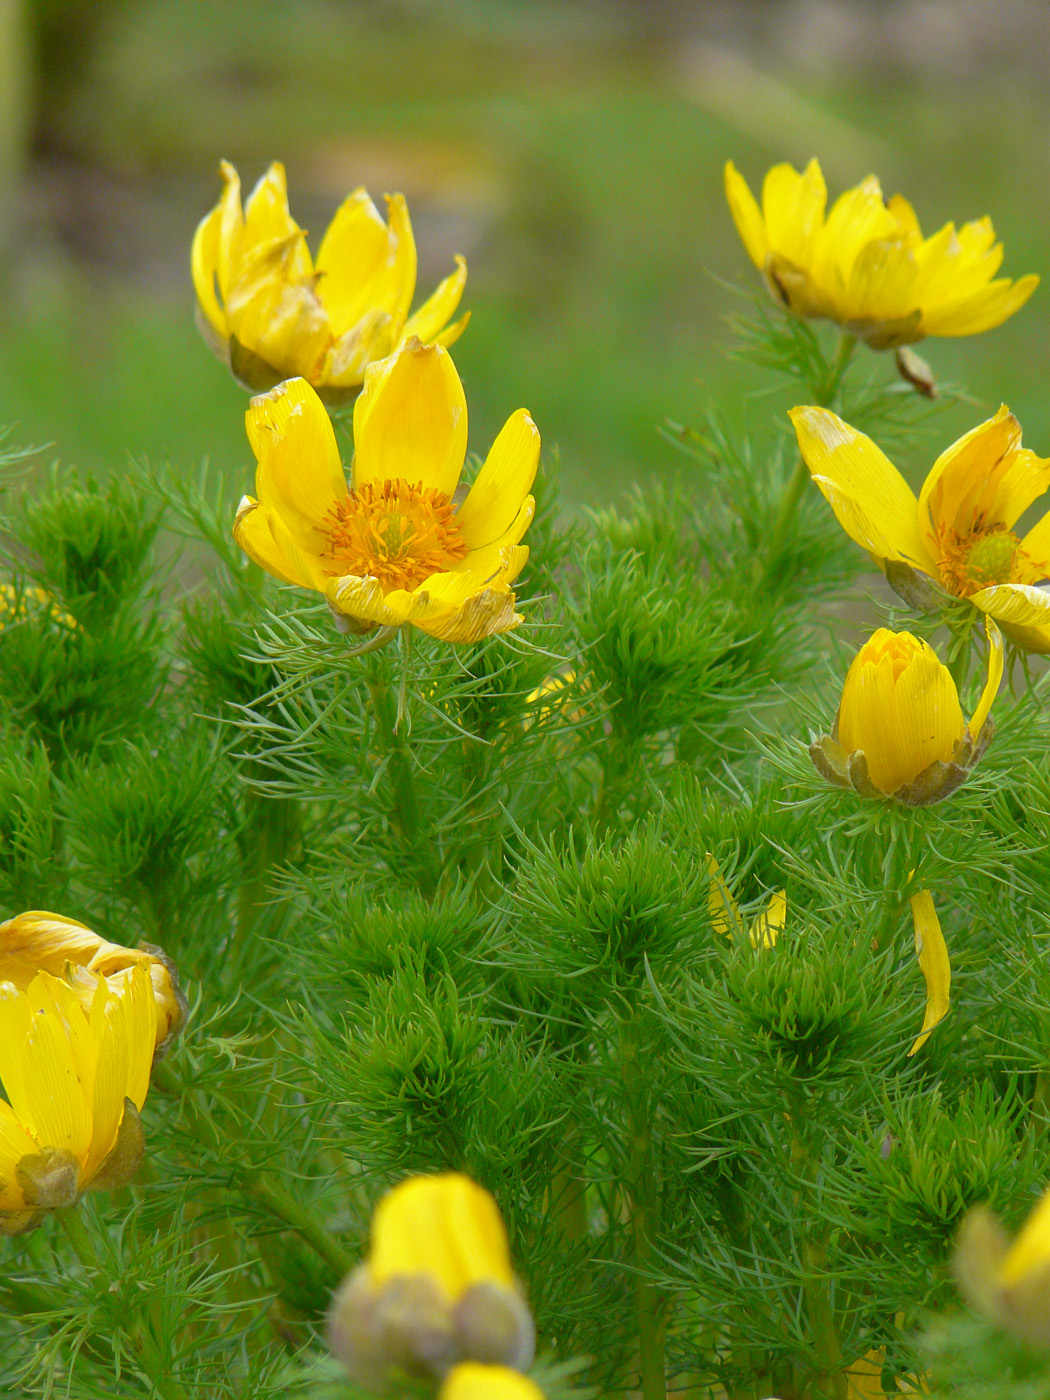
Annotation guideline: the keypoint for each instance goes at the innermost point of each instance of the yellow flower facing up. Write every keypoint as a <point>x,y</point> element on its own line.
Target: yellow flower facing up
<point>74,1077</point>
<point>473,1382</point>
<point>899,731</point>
<point>726,918</point>
<point>272,311</point>
<point>437,1288</point>
<point>393,547</point>
<point>866,265</point>
<point>959,532</point>
<point>42,942</point>
<point>1008,1281</point>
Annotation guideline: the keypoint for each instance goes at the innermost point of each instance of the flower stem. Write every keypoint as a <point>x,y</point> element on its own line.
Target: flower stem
<point>815,1287</point>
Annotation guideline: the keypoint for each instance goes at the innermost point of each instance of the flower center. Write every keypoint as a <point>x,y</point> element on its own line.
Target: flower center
<point>971,562</point>
<point>393,531</point>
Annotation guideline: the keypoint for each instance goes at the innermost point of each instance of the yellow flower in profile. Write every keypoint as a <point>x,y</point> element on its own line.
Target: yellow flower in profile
<point>436,1289</point>
<point>393,547</point>
<point>273,312</point>
<point>473,1382</point>
<point>959,532</point>
<point>1008,1281</point>
<point>74,1077</point>
<point>38,941</point>
<point>725,916</point>
<point>899,731</point>
<point>866,264</point>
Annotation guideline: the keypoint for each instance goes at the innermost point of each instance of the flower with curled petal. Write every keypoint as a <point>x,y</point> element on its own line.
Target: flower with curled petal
<point>39,941</point>
<point>271,311</point>
<point>899,731</point>
<point>958,534</point>
<point>866,263</point>
<point>393,547</point>
<point>75,1073</point>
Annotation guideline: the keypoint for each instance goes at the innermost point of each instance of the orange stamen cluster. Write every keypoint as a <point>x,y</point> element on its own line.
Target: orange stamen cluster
<point>394,531</point>
<point>970,562</point>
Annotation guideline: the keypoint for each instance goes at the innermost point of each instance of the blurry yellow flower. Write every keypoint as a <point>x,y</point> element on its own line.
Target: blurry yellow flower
<point>271,311</point>
<point>866,265</point>
<point>394,547</point>
<point>41,942</point>
<point>932,952</point>
<point>959,532</point>
<point>1009,1282</point>
<point>726,918</point>
<point>74,1077</point>
<point>436,1289</point>
<point>14,600</point>
<point>899,731</point>
<point>473,1382</point>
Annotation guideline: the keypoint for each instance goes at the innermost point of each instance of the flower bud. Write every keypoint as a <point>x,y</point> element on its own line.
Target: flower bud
<point>473,1382</point>
<point>1010,1283</point>
<point>437,1287</point>
<point>899,731</point>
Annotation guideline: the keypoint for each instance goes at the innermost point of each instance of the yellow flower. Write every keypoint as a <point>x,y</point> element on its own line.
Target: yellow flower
<point>899,731</point>
<point>866,265</point>
<point>394,547</point>
<point>473,1382</point>
<point>74,1077</point>
<point>41,942</point>
<point>1009,1282</point>
<point>959,531</point>
<point>271,311</point>
<point>436,1289</point>
<point>725,915</point>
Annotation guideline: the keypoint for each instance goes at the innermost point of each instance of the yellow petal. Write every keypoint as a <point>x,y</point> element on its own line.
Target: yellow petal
<point>15,1143</point>
<point>204,266</point>
<point>267,220</point>
<point>410,422</point>
<point>874,504</point>
<point>1036,545</point>
<point>746,215</point>
<point>984,311</point>
<point>50,1095</point>
<point>355,259</point>
<point>1030,1251</point>
<point>484,614</point>
<point>793,209</point>
<point>502,483</point>
<point>470,1380</point>
<point>995,675</point>
<point>491,560</point>
<point>882,281</point>
<point>1015,603</point>
<point>39,941</point>
<point>982,479</point>
<point>433,315</point>
<point>722,908</point>
<point>452,333</point>
<point>858,217</point>
<point>299,477</point>
<point>277,315</point>
<point>932,952</point>
<point>764,930</point>
<point>258,532</point>
<point>231,229</point>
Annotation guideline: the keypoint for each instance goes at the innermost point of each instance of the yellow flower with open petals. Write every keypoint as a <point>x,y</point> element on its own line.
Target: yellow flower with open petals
<point>959,532</point>
<point>436,1289</point>
<point>866,264</point>
<point>899,731</point>
<point>271,311</point>
<point>74,1077</point>
<point>39,941</point>
<point>393,547</point>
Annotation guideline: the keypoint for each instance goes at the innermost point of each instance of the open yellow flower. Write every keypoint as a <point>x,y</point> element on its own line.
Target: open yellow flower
<point>866,264</point>
<point>38,941</point>
<point>74,1077</point>
<point>271,311</point>
<point>959,531</point>
<point>899,731</point>
<point>1008,1281</point>
<point>436,1289</point>
<point>473,1382</point>
<point>393,547</point>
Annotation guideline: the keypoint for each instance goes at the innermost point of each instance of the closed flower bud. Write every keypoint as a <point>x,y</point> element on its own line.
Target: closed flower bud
<point>1010,1283</point>
<point>75,1076</point>
<point>473,1382</point>
<point>41,942</point>
<point>900,730</point>
<point>437,1287</point>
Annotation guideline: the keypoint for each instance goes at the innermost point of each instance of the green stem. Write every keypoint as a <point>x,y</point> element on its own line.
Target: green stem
<point>405,814</point>
<point>815,1286</point>
<point>273,1196</point>
<point>642,1199</point>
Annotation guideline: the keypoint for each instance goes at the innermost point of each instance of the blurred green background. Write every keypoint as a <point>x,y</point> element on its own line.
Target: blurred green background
<point>572,151</point>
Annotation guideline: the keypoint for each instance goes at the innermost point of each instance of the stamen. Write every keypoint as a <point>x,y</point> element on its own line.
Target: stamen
<point>394,531</point>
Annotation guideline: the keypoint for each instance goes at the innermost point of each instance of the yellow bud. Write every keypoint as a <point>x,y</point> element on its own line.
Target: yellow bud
<point>437,1286</point>
<point>900,730</point>
<point>473,1382</point>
